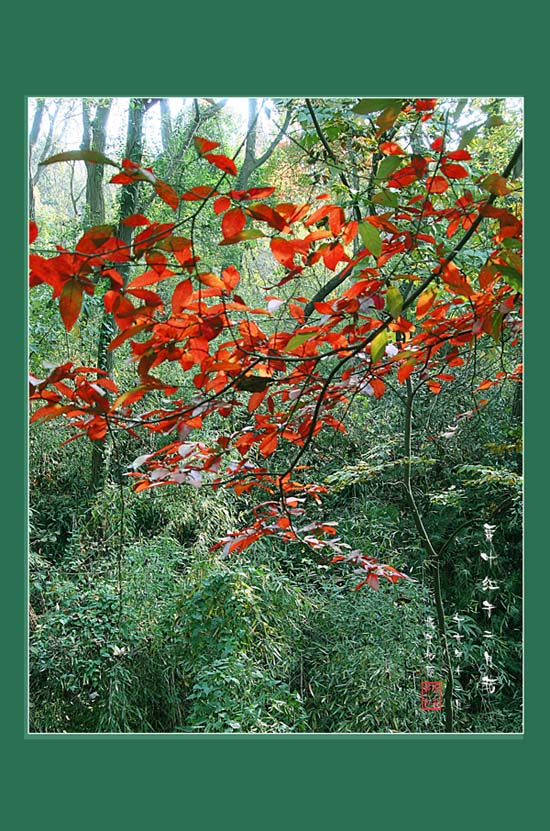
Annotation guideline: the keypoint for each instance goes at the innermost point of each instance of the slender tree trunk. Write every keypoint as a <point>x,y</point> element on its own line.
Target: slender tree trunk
<point>165,125</point>
<point>128,205</point>
<point>33,138</point>
<point>49,141</point>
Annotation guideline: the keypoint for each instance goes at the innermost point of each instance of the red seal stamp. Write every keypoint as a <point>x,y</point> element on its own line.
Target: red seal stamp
<point>431,695</point>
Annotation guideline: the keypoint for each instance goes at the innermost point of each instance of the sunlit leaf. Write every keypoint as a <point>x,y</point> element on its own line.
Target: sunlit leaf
<point>370,237</point>
<point>92,156</point>
<point>373,105</point>
<point>394,301</point>
<point>378,346</point>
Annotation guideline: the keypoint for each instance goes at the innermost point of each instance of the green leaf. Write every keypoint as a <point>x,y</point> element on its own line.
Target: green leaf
<point>250,233</point>
<point>80,156</point>
<point>394,301</point>
<point>378,346</point>
<point>373,105</point>
<point>468,136</point>
<point>387,166</point>
<point>512,277</point>
<point>495,121</point>
<point>371,238</point>
<point>387,198</point>
<point>297,340</point>
<point>496,327</point>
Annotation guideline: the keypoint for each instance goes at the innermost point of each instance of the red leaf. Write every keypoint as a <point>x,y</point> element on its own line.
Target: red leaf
<point>222,162</point>
<point>33,232</point>
<point>230,277</point>
<point>317,215</point>
<point>390,148</point>
<point>456,281</point>
<point>181,296</point>
<point>149,278</point>
<point>403,177</point>
<point>333,255</point>
<point>199,193</point>
<point>134,220</point>
<point>150,298</point>
<point>266,214</point>
<point>255,400</point>
<point>233,222</point>
<point>437,184</point>
<point>423,104</point>
<point>121,179</point>
<point>404,371</point>
<point>269,444</point>
<point>156,261</point>
<point>251,193</point>
<point>203,145</point>
<point>127,333</point>
<point>434,386</point>
<point>221,204</point>
<point>150,237</point>
<point>459,156</point>
<point>454,171</point>
<point>70,303</point>
<point>283,251</point>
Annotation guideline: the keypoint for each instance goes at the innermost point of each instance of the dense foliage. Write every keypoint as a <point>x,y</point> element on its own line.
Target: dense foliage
<point>290,491</point>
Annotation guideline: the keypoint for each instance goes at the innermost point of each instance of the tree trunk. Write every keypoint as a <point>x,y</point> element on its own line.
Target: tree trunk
<point>128,204</point>
<point>251,162</point>
<point>165,124</point>
<point>94,137</point>
<point>33,138</point>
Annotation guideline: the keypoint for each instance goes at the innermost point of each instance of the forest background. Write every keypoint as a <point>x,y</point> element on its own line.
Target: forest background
<point>203,676</point>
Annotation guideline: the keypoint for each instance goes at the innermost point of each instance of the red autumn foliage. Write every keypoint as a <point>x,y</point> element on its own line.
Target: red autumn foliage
<point>297,378</point>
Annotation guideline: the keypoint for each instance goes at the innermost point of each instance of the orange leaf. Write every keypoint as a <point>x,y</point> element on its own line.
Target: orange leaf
<point>404,371</point>
<point>203,145</point>
<point>269,444</point>
<point>495,184</point>
<point>209,279</point>
<point>149,278</point>
<point>434,386</point>
<point>70,302</point>
<point>255,400</point>
<point>167,194</point>
<point>33,232</point>
<point>456,281</point>
<point>425,302</point>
